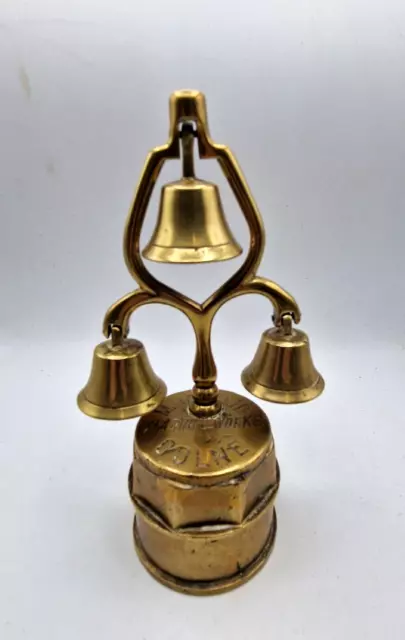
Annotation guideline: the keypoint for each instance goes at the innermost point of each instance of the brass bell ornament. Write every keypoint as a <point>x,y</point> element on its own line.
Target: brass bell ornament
<point>282,369</point>
<point>191,225</point>
<point>122,383</point>
<point>204,475</point>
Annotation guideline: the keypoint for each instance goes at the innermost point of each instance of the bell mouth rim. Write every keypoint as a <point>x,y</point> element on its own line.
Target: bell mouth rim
<point>192,255</point>
<point>280,396</point>
<point>122,413</point>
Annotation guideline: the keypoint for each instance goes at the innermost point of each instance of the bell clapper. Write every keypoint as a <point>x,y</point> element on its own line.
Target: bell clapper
<point>204,466</point>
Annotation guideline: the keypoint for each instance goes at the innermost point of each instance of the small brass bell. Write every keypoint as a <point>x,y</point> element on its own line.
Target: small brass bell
<point>122,383</point>
<point>282,369</point>
<point>191,225</point>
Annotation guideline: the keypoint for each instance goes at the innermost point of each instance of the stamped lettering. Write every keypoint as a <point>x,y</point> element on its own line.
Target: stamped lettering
<point>227,422</point>
<point>179,453</point>
<point>228,450</point>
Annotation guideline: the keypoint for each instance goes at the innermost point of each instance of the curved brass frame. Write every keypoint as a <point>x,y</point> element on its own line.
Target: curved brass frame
<point>190,106</point>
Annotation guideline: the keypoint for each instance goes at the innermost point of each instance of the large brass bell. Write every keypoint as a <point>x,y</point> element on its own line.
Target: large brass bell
<point>122,383</point>
<point>282,369</point>
<point>191,225</point>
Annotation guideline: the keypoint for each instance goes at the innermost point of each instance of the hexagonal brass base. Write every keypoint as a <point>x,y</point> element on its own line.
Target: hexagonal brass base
<point>208,587</point>
<point>204,491</point>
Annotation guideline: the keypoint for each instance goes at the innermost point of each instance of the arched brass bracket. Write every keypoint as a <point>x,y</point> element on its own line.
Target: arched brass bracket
<point>120,312</point>
<point>189,106</point>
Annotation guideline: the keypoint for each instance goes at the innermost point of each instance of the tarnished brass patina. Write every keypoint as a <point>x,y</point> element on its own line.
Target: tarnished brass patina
<point>204,490</point>
<point>204,475</point>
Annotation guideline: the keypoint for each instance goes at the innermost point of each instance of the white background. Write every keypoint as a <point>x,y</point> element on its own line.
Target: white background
<point>310,95</point>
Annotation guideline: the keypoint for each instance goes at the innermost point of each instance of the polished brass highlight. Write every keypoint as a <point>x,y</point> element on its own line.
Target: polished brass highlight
<point>282,369</point>
<point>204,475</point>
<point>191,226</point>
<point>122,383</point>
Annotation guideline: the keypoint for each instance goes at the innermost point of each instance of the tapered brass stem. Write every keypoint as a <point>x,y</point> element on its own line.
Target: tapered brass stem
<point>205,392</point>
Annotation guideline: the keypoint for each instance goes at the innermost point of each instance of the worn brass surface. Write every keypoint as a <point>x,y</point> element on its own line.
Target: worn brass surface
<point>204,491</point>
<point>173,449</point>
<point>282,369</point>
<point>204,474</point>
<point>208,587</point>
<point>177,444</point>
<point>227,502</point>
